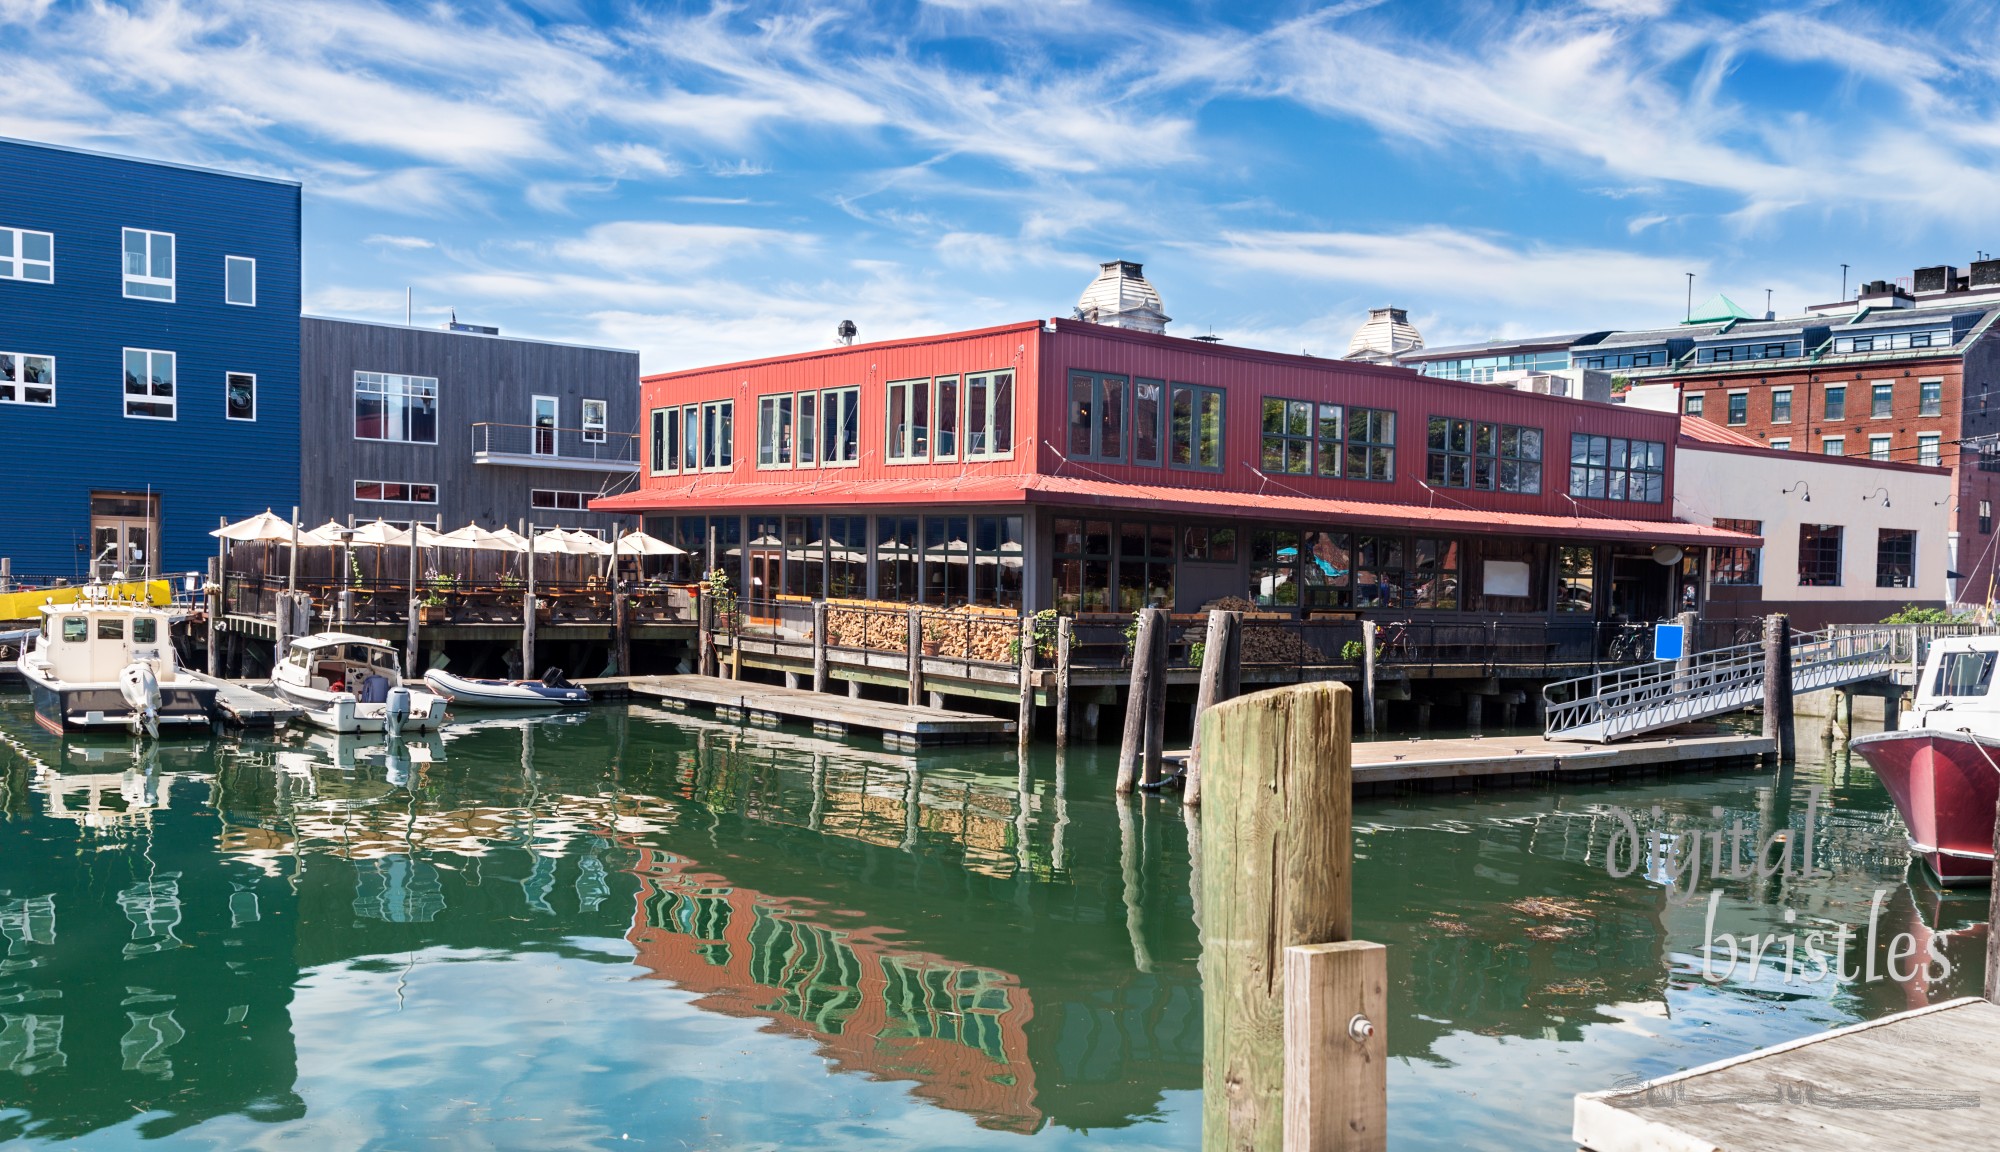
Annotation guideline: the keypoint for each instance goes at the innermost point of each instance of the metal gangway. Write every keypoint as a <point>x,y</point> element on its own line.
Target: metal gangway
<point>1624,702</point>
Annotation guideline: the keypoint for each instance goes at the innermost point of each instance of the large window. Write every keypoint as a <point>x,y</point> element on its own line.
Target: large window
<point>1739,408</point>
<point>718,435</point>
<point>1896,558</point>
<point>947,559</point>
<point>1082,550</point>
<point>26,379</point>
<point>149,265</point>
<point>989,415</point>
<point>1371,444</point>
<point>149,384</point>
<point>239,281</point>
<point>897,558</point>
<point>944,416</point>
<point>1289,434</point>
<point>395,492</point>
<point>909,428</point>
<point>560,500</point>
<point>805,556</point>
<point>1146,555</point>
<point>1836,402</point>
<point>1819,555</point>
<point>666,440</point>
<point>840,426</point>
<point>1878,447</point>
<point>1490,457</point>
<point>27,255</point>
<point>1781,405</point>
<point>1149,421</point>
<point>1882,400</point>
<point>1576,578</point>
<point>1930,397</point>
<point>1274,567</point>
<point>1197,427</point>
<point>998,552</point>
<point>847,557</point>
<point>392,407</point>
<point>1928,449</point>
<point>1738,566</point>
<point>239,396</point>
<point>595,420</point>
<point>774,431</point>
<point>1097,405</point>
<point>1614,468</point>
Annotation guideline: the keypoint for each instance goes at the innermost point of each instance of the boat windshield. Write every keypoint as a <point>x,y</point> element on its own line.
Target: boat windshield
<point>1964,674</point>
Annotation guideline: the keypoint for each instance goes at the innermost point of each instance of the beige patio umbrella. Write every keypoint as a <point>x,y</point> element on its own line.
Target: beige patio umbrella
<point>382,534</point>
<point>264,528</point>
<point>582,543</point>
<point>475,538</point>
<point>326,535</point>
<point>636,543</point>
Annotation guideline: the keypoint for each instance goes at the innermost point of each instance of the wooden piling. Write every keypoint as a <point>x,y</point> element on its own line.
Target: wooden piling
<point>819,645</point>
<point>1276,863</point>
<point>1336,1046</point>
<point>1025,724</point>
<point>1064,630</point>
<point>1685,665</point>
<point>214,595</point>
<point>1993,917</point>
<point>1221,676</point>
<point>1368,676</point>
<point>1843,714</point>
<point>1148,678</point>
<point>410,640</point>
<point>1152,768</point>
<point>916,656</point>
<point>1778,685</point>
<point>621,632</point>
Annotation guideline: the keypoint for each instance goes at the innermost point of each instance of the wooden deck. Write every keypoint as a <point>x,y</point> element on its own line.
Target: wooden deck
<point>244,706</point>
<point>1388,762</point>
<point>1914,1080</point>
<point>900,725</point>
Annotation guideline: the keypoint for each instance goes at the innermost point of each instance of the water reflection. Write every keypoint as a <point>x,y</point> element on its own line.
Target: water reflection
<point>634,922</point>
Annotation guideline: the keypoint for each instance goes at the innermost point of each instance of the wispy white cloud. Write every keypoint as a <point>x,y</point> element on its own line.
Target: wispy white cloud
<point>404,242</point>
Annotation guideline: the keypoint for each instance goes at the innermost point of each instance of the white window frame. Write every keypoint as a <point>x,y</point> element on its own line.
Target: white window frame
<point>227,263</point>
<point>1729,407</point>
<point>381,381</point>
<point>148,279</point>
<point>1775,392</point>
<point>664,441</point>
<point>1827,442</point>
<point>1924,409</point>
<point>14,264</point>
<point>831,403</point>
<point>903,449</point>
<point>1879,447</point>
<point>954,413</point>
<point>777,435</point>
<point>410,485</point>
<point>535,426</point>
<point>1875,388</point>
<point>594,429</point>
<point>250,376</point>
<point>583,499</point>
<point>988,433</point>
<point>172,395</point>
<point>1782,443</point>
<point>18,388</point>
<point>1930,449</point>
<point>721,447</point>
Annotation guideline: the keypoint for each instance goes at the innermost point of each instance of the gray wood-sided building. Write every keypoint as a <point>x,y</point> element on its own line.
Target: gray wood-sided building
<point>403,423</point>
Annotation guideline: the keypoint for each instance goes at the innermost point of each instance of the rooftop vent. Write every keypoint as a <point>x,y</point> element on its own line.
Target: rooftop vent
<point>1984,274</point>
<point>1122,297</point>
<point>845,332</point>
<point>1941,278</point>
<point>455,326</point>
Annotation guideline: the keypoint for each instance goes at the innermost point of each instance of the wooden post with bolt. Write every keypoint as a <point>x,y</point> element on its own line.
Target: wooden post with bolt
<point>1064,632</point>
<point>1149,659</point>
<point>819,645</point>
<point>1025,725</point>
<point>1221,679</point>
<point>1294,1039</point>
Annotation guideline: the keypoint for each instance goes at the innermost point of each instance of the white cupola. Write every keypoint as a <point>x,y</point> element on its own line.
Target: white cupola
<point>1122,297</point>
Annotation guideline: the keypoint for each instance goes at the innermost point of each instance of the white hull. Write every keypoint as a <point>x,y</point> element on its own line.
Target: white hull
<point>342,712</point>
<point>468,692</point>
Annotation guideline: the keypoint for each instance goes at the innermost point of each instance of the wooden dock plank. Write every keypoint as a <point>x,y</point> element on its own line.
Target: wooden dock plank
<point>246,707</point>
<point>899,722</point>
<point>1392,761</point>
<point>1911,1080</point>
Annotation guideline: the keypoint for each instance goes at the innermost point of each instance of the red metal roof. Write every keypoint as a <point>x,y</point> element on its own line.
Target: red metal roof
<point>1443,515</point>
<point>1700,431</point>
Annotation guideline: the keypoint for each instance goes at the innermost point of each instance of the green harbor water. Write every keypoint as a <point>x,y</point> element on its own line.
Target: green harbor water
<point>631,928</point>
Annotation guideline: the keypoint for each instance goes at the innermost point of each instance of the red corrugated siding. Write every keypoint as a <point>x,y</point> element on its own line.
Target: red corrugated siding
<point>1044,359</point>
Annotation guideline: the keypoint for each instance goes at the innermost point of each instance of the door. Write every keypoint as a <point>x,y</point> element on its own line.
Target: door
<point>766,581</point>
<point>545,426</point>
<point>123,527</point>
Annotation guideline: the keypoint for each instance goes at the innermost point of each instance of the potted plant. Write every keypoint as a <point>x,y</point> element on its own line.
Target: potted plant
<point>933,633</point>
<point>431,609</point>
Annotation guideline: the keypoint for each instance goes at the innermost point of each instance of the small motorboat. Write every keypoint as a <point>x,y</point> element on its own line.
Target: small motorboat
<point>348,683</point>
<point>106,662</point>
<point>551,691</point>
<point>1942,768</point>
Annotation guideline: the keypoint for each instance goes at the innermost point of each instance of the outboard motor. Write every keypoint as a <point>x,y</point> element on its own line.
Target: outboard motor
<point>553,678</point>
<point>396,711</point>
<point>141,689</point>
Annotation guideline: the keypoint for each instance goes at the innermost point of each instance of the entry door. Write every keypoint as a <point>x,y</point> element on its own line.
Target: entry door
<point>122,531</point>
<point>767,574</point>
<point>545,426</point>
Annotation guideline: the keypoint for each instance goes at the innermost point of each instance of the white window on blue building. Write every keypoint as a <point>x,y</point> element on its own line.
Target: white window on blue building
<point>27,255</point>
<point>239,396</point>
<point>149,384</point>
<point>239,280</point>
<point>149,265</point>
<point>27,379</point>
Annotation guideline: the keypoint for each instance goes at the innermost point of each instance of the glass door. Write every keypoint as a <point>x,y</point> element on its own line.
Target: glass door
<point>122,530</point>
<point>545,426</point>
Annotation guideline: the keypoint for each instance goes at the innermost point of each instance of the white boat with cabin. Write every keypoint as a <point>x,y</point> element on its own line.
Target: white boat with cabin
<point>107,662</point>
<point>349,683</point>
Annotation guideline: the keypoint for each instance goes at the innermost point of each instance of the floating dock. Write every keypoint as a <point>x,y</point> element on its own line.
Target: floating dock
<point>243,706</point>
<point>1497,759</point>
<point>900,725</point>
<point>1914,1080</point>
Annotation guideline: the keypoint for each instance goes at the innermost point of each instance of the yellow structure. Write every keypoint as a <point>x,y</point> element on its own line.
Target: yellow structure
<point>24,605</point>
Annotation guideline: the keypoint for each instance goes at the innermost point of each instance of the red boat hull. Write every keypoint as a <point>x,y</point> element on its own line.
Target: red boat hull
<point>1945,785</point>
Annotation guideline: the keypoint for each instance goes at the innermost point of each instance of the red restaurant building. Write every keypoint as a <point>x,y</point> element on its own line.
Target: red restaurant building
<point>1092,468</point>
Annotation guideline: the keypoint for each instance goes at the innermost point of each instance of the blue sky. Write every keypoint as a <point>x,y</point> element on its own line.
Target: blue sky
<point>709,182</point>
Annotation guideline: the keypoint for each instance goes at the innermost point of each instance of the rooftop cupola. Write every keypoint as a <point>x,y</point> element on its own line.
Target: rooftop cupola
<point>1122,297</point>
<point>1387,335</point>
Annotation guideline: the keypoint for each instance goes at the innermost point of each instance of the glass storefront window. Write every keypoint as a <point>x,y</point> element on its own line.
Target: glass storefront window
<point>1274,568</point>
<point>1576,588</point>
<point>947,560</point>
<point>896,558</point>
<point>1327,574</point>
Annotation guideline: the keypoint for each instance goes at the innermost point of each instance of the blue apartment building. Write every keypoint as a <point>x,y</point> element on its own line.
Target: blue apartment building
<point>149,359</point>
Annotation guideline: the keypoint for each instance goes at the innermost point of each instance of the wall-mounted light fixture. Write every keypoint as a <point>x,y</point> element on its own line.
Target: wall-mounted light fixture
<point>1882,492</point>
<point>1801,486</point>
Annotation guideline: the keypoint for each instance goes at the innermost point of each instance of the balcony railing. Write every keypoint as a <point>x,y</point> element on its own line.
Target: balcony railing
<point>538,446</point>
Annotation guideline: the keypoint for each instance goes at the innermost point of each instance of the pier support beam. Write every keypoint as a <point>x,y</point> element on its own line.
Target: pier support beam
<point>1221,679</point>
<point>916,656</point>
<point>1025,722</point>
<point>1063,633</point>
<point>1843,714</point>
<point>215,617</point>
<point>819,645</point>
<point>1368,676</point>
<point>1778,685</point>
<point>1138,758</point>
<point>621,632</point>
